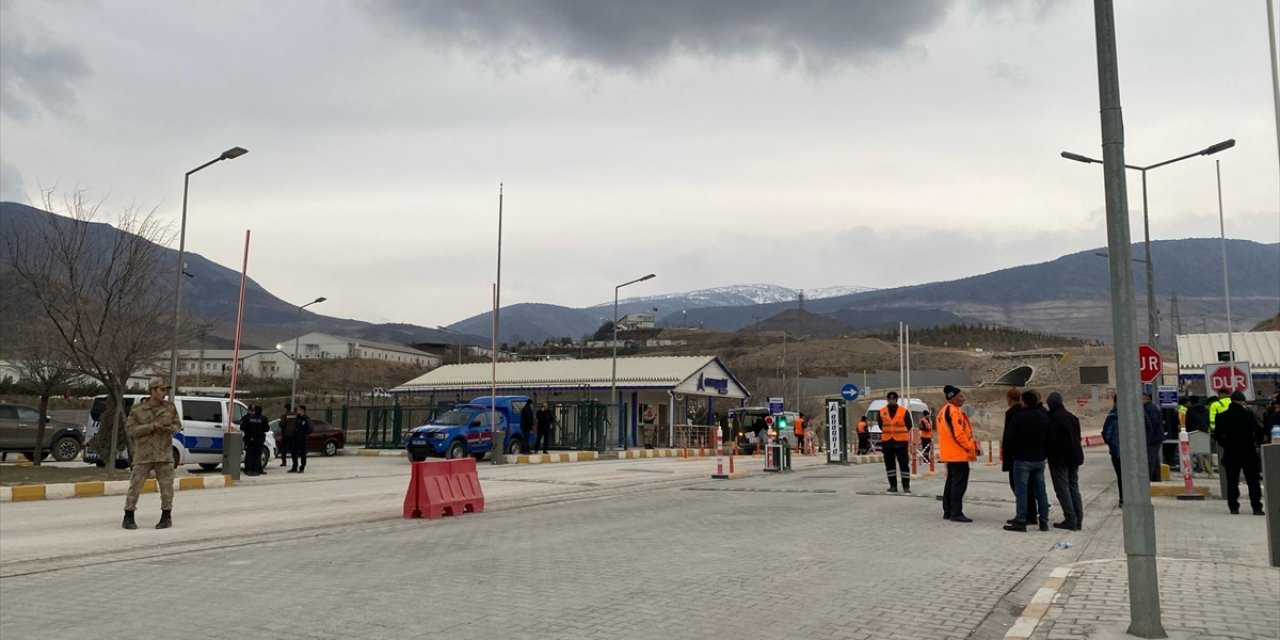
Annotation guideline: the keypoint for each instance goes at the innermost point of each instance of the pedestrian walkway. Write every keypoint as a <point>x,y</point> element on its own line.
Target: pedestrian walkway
<point>1213,573</point>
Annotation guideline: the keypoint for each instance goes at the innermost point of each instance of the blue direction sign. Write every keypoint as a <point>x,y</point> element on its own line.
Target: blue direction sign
<point>850,392</point>
<point>775,406</point>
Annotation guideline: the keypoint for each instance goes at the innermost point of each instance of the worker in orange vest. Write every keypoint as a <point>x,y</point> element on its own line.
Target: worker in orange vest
<point>864,438</point>
<point>926,433</point>
<point>895,433</point>
<point>956,448</point>
<point>798,429</point>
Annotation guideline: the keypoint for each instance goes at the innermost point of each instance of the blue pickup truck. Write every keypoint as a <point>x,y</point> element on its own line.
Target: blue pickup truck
<point>465,430</point>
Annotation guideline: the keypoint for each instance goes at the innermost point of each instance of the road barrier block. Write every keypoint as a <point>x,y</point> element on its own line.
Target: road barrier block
<point>444,488</point>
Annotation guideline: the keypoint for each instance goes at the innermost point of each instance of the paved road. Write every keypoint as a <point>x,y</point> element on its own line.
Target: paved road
<point>635,549</point>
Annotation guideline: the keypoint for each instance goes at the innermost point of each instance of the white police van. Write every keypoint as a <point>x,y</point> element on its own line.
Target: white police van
<point>204,421</point>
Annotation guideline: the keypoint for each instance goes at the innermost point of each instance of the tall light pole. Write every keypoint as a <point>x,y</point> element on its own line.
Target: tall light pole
<point>297,357</point>
<point>613,386</point>
<point>1153,321</point>
<point>229,154</point>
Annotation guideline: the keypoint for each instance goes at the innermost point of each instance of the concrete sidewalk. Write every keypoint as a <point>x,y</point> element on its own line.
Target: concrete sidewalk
<point>1213,573</point>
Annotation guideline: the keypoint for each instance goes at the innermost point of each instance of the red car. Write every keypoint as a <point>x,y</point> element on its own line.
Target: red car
<point>325,438</point>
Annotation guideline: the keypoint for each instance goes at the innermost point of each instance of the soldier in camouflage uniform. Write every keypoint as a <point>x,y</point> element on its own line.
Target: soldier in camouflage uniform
<point>151,425</point>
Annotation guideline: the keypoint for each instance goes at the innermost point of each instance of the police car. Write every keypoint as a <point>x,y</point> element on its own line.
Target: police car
<point>200,441</point>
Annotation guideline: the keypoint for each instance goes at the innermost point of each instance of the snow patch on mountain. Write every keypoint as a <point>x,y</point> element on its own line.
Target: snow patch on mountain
<point>741,294</point>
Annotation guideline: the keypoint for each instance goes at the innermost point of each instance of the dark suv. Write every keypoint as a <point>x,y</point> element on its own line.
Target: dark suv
<point>18,425</point>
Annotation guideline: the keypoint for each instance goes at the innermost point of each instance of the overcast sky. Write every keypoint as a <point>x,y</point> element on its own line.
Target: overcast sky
<point>805,144</point>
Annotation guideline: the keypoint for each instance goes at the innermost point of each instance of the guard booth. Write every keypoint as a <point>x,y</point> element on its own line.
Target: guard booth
<point>681,390</point>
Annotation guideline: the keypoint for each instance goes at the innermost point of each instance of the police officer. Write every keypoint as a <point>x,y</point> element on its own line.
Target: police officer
<point>895,427</point>
<point>255,427</point>
<point>152,424</point>
<point>298,443</point>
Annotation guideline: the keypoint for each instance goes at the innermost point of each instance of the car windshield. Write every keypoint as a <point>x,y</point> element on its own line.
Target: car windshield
<point>453,418</point>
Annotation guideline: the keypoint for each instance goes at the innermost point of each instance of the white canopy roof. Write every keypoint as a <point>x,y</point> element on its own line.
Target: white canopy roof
<point>1261,349</point>
<point>697,375</point>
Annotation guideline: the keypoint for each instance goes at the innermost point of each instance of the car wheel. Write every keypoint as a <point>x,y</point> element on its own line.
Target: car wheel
<point>177,458</point>
<point>66,449</point>
<point>517,446</point>
<point>478,456</point>
<point>208,466</point>
<point>457,450</point>
<point>331,448</point>
<point>413,457</point>
<point>101,464</point>
<point>31,455</point>
<point>266,458</point>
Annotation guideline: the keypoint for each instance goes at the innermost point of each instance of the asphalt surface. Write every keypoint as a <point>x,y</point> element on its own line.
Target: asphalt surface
<point>617,549</point>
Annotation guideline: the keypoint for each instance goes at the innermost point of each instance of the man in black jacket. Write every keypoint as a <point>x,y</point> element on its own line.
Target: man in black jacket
<point>255,427</point>
<point>1066,454</point>
<point>1013,397</point>
<point>1028,445</point>
<point>1239,434</point>
<point>301,431</point>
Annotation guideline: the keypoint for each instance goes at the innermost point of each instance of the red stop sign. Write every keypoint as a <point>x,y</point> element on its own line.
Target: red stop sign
<point>1149,362</point>
<point>1228,377</point>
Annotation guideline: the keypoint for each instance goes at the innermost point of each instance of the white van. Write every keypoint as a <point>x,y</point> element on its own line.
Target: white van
<point>916,406</point>
<point>204,422</point>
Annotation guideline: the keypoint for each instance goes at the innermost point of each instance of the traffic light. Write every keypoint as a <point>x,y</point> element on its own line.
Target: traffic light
<point>780,423</point>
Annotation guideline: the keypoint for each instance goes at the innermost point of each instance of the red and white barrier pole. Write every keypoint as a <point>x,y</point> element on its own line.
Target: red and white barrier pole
<point>915,443</point>
<point>991,453</point>
<point>933,457</point>
<point>1184,456</point>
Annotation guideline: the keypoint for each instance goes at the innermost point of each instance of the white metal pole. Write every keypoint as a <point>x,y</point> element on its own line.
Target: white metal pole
<point>1226,285</point>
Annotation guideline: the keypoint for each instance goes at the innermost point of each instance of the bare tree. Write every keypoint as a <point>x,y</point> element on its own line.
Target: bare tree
<point>103,292</point>
<point>43,364</point>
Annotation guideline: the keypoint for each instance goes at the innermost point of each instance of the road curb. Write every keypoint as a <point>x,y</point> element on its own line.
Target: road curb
<point>1035,610</point>
<point>552,458</point>
<point>378,452</point>
<point>94,489</point>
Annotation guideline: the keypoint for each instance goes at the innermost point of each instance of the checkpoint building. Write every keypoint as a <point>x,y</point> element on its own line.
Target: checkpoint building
<point>675,387</point>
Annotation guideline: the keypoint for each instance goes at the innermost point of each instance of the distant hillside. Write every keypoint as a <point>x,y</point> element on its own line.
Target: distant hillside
<point>213,292</point>
<point>1270,324</point>
<point>988,337</point>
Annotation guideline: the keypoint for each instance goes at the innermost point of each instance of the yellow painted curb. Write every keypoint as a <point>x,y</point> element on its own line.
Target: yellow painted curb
<point>25,492</point>
<point>190,483</point>
<point>1171,491</point>
<point>90,489</point>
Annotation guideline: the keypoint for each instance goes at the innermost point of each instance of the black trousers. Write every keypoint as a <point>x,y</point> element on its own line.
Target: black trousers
<point>1115,462</point>
<point>1233,462</point>
<point>864,443</point>
<point>299,449</point>
<point>253,455</point>
<point>895,453</point>
<point>541,440</point>
<point>1153,462</point>
<point>286,444</point>
<point>953,492</point>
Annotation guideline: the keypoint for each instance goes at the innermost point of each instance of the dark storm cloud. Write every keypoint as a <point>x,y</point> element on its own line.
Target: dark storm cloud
<point>37,73</point>
<point>639,35</point>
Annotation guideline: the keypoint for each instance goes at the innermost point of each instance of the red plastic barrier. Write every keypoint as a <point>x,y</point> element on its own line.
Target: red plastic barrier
<point>445,488</point>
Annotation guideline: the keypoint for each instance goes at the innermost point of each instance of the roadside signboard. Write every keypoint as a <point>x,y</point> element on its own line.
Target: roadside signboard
<point>1231,376</point>
<point>1149,362</point>
<point>1167,396</point>
<point>850,392</point>
<point>775,405</point>
<point>836,452</point>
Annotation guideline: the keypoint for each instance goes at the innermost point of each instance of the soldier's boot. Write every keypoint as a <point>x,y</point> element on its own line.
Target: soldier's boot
<point>906,485</point>
<point>165,520</point>
<point>128,520</point>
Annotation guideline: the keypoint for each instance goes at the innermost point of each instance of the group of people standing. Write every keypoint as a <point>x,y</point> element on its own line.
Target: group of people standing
<point>1039,438</point>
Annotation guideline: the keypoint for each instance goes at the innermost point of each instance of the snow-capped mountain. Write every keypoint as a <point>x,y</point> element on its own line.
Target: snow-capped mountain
<point>733,295</point>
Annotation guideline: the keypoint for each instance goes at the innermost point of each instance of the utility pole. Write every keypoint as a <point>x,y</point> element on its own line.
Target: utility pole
<point>1138,514</point>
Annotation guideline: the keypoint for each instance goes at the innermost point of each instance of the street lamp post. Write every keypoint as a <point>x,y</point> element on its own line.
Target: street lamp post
<point>613,386</point>
<point>1153,322</point>
<point>229,154</point>
<point>297,357</point>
